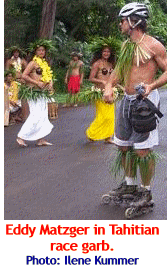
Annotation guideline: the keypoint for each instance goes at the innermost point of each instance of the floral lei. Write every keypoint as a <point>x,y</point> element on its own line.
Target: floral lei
<point>46,70</point>
<point>17,64</point>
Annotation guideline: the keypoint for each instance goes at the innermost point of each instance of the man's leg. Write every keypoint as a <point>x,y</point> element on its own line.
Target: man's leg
<point>146,161</point>
<point>126,159</point>
<point>146,166</point>
<point>127,164</point>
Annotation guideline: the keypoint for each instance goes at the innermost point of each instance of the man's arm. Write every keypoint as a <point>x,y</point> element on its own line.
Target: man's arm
<point>68,73</point>
<point>81,72</point>
<point>66,76</point>
<point>112,82</point>
<point>161,60</point>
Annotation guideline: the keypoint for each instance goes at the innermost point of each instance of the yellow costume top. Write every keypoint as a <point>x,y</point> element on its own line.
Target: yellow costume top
<point>13,91</point>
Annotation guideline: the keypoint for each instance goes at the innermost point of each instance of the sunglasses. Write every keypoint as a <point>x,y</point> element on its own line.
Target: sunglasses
<point>122,20</point>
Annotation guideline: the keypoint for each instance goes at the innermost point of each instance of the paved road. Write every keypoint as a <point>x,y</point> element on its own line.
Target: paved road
<point>66,181</point>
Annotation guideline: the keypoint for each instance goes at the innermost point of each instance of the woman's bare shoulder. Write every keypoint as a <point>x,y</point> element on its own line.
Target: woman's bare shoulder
<point>30,67</point>
<point>97,63</point>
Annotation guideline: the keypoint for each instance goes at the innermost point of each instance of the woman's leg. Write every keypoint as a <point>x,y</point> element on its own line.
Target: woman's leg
<point>43,142</point>
<point>21,142</point>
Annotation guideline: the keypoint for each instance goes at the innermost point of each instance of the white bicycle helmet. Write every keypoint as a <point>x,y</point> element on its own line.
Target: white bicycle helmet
<point>135,8</point>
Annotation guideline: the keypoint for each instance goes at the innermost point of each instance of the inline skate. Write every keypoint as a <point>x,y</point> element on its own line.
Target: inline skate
<point>142,204</point>
<point>123,194</point>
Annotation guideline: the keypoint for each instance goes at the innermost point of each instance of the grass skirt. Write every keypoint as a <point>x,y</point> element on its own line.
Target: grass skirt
<point>37,124</point>
<point>103,125</point>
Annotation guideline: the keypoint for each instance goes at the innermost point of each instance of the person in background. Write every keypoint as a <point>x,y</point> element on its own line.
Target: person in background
<point>74,76</point>
<point>38,79</point>
<point>12,104</point>
<point>18,63</point>
<point>102,128</point>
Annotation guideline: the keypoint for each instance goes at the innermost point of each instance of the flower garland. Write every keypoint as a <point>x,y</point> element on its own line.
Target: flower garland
<point>46,70</point>
<point>17,64</point>
<point>94,93</point>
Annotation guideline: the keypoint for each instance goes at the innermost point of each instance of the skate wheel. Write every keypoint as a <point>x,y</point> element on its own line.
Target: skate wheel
<point>144,210</point>
<point>106,199</point>
<point>117,201</point>
<point>129,213</point>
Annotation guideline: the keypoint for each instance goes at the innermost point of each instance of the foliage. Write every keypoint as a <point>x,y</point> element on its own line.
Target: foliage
<point>82,19</point>
<point>59,84</point>
<point>129,50</point>
<point>99,42</point>
<point>21,21</point>
<point>133,161</point>
<point>65,45</point>
<point>11,71</point>
<point>61,98</point>
<point>157,22</point>
<point>9,51</point>
<point>29,93</point>
<point>78,24</point>
<point>48,44</point>
<point>91,94</point>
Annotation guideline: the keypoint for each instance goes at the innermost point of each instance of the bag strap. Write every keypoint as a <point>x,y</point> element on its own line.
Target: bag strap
<point>153,107</point>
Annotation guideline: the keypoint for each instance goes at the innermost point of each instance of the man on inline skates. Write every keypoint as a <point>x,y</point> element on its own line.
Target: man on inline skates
<point>141,57</point>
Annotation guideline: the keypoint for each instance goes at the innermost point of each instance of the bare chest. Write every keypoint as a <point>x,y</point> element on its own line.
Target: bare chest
<point>104,70</point>
<point>143,54</point>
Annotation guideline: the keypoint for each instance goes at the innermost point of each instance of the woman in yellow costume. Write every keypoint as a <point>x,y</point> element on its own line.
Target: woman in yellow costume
<point>17,62</point>
<point>102,128</point>
<point>11,102</point>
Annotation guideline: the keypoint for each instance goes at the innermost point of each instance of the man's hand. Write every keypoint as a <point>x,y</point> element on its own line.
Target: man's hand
<point>108,94</point>
<point>148,89</point>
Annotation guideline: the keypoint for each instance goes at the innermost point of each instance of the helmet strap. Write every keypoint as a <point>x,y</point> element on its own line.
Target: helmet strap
<point>136,24</point>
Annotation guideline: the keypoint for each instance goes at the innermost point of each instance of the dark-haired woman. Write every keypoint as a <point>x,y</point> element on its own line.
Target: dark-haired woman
<point>11,101</point>
<point>38,78</point>
<point>102,128</point>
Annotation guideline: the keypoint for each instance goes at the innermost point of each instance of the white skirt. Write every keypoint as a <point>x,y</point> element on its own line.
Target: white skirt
<point>37,124</point>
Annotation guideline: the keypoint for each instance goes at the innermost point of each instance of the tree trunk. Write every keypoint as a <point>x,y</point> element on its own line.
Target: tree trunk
<point>47,19</point>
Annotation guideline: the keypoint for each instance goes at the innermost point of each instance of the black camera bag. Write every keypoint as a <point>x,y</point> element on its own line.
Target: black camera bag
<point>143,115</point>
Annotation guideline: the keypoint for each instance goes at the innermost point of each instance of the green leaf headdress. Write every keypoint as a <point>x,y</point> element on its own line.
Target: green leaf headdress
<point>47,44</point>
<point>99,42</point>
<point>9,51</point>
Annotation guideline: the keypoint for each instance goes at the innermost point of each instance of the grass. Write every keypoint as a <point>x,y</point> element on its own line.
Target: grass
<point>61,98</point>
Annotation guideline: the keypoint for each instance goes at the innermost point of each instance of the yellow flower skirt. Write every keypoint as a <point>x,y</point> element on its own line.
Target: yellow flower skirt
<point>103,125</point>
